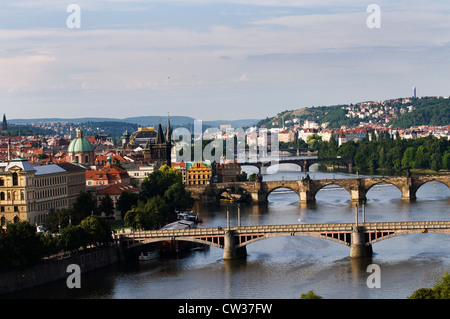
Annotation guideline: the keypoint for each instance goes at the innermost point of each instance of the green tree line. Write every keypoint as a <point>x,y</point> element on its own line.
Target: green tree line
<point>394,154</point>
<point>162,194</point>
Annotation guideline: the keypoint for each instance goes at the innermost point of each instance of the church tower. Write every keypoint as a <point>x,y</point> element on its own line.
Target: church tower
<point>159,152</point>
<point>4,123</point>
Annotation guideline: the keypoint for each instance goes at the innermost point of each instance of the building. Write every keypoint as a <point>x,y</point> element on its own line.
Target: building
<point>107,175</point>
<point>114,191</point>
<point>159,152</point>
<point>140,138</point>
<point>4,124</point>
<point>227,172</point>
<point>181,167</point>
<point>30,193</point>
<point>80,150</point>
<point>138,171</point>
<point>198,173</point>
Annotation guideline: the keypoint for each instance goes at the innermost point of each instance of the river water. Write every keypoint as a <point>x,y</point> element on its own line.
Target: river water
<point>286,267</point>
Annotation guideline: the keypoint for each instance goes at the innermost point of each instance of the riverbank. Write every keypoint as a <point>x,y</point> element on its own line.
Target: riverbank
<point>56,269</point>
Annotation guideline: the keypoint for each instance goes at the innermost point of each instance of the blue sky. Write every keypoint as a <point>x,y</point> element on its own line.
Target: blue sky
<point>214,59</point>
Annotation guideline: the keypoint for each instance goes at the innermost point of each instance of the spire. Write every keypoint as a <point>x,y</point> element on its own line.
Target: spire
<point>168,130</point>
<point>4,124</point>
<point>160,136</point>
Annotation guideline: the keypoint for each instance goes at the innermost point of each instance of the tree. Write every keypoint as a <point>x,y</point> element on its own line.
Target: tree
<point>96,229</point>
<point>408,157</point>
<point>126,201</point>
<point>440,290</point>
<point>310,295</point>
<point>20,246</point>
<point>71,238</point>
<point>57,220</point>
<point>85,205</point>
<point>148,215</point>
<point>421,158</point>
<point>159,181</point>
<point>106,205</point>
<point>177,197</point>
<point>314,141</point>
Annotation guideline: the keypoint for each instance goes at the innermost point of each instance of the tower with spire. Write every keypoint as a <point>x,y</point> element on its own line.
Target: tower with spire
<point>4,123</point>
<point>160,151</point>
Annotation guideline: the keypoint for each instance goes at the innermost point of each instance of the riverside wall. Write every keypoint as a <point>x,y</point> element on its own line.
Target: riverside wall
<point>56,269</point>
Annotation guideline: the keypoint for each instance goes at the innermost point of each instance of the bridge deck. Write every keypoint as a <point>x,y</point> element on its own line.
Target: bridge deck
<point>289,228</point>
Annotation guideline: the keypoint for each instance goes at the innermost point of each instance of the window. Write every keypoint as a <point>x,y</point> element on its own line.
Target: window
<point>2,182</point>
<point>15,179</point>
<point>2,196</point>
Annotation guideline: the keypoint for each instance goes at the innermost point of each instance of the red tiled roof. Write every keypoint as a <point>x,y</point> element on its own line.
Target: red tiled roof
<point>117,189</point>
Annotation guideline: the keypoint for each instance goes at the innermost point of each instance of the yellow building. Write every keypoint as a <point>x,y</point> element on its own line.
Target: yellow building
<point>29,193</point>
<point>198,173</point>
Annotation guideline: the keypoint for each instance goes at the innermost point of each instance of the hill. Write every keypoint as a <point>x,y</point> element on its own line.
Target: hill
<point>139,120</point>
<point>398,113</point>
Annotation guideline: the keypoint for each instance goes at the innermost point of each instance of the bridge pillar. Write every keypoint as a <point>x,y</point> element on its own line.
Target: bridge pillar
<point>359,247</point>
<point>358,192</point>
<point>230,249</point>
<point>408,190</point>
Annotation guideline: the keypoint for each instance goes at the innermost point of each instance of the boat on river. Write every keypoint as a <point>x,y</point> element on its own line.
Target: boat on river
<point>150,255</point>
<point>189,216</point>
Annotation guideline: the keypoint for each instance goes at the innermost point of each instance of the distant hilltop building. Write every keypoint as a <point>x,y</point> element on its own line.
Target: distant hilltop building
<point>414,91</point>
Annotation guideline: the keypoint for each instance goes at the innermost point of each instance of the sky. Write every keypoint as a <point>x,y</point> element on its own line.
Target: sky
<point>216,59</point>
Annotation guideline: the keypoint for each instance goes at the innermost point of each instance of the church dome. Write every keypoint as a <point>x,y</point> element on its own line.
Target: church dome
<point>80,144</point>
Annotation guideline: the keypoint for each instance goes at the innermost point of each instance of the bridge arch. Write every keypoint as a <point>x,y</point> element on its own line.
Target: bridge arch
<point>380,182</point>
<point>437,182</point>
<point>315,235</point>
<point>246,192</point>
<point>333,182</point>
<point>406,232</point>
<point>287,186</point>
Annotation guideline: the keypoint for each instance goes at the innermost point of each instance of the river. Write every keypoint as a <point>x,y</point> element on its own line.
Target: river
<point>286,267</point>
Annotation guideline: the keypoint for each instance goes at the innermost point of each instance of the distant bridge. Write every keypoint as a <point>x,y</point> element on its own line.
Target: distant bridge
<point>233,240</point>
<point>307,188</point>
<point>304,163</point>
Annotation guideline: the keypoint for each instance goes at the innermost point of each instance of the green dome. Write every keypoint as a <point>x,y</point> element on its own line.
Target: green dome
<point>80,144</point>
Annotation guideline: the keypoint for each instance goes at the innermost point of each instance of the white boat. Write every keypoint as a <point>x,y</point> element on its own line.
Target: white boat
<point>149,256</point>
<point>188,215</point>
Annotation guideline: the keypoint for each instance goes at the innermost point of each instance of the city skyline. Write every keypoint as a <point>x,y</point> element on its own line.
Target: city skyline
<point>216,59</point>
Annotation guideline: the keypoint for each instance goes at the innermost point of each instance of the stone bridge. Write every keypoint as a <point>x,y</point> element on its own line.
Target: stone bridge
<point>304,163</point>
<point>233,240</point>
<point>307,188</point>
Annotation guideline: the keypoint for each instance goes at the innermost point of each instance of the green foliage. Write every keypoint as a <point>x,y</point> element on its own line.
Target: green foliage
<point>147,215</point>
<point>106,205</point>
<point>177,197</point>
<point>310,295</point>
<point>97,230</point>
<point>162,192</point>
<point>158,182</point>
<point>85,205</point>
<point>58,220</point>
<point>126,201</point>
<point>441,290</point>
<point>427,111</point>
<point>20,246</point>
<point>392,154</point>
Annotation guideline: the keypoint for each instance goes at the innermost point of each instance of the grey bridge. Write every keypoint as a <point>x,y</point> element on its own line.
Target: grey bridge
<point>233,240</point>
